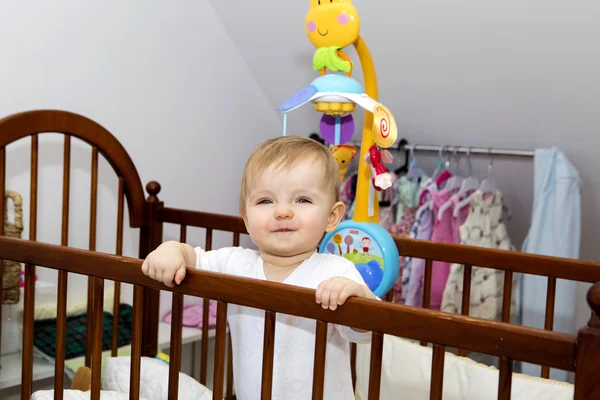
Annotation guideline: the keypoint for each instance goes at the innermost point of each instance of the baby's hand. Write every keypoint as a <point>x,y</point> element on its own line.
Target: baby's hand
<point>335,291</point>
<point>167,263</point>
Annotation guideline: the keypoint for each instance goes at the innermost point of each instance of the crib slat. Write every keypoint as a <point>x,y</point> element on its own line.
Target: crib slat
<point>437,373</point>
<point>27,356</point>
<point>136,343</point>
<point>353,364</point>
<point>208,244</point>
<point>229,394</point>
<point>236,239</point>
<point>204,358</point>
<point>2,205</point>
<point>375,367</point>
<point>268,353</point>
<point>427,283</point>
<point>506,296</point>
<point>466,297</point>
<point>61,301</point>
<point>33,188</point>
<point>183,233</point>
<point>29,290</point>
<point>320,354</point>
<point>427,286</point>
<point>549,321</point>
<point>505,378</point>
<point>117,288</point>
<point>61,330</point>
<point>175,353</point>
<point>98,285</point>
<point>219,364</point>
<point>116,315</point>
<point>205,308</point>
<point>92,247</point>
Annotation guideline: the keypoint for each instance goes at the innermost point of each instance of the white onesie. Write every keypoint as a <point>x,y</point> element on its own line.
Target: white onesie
<point>294,336</point>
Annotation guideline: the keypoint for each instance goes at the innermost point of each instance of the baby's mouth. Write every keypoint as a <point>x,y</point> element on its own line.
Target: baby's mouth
<point>284,230</point>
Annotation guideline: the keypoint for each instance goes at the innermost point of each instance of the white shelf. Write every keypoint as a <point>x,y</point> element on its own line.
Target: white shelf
<point>188,335</point>
<point>10,374</point>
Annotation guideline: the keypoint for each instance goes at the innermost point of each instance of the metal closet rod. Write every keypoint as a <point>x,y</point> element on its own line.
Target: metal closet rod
<point>457,149</point>
<point>470,150</point>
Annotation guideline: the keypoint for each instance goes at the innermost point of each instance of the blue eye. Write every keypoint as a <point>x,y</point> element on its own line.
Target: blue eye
<point>305,201</point>
<point>264,201</point>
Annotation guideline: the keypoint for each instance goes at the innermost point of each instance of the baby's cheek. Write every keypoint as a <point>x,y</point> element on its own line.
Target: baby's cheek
<point>311,26</point>
<point>343,19</point>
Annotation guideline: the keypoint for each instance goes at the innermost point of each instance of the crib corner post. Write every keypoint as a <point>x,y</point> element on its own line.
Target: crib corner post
<point>587,369</point>
<point>151,235</point>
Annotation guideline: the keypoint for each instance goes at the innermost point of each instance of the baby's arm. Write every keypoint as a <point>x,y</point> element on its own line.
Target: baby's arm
<point>334,292</point>
<point>169,261</point>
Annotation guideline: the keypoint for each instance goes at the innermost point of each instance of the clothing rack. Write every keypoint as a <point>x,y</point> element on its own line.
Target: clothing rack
<point>469,150</point>
<point>456,149</point>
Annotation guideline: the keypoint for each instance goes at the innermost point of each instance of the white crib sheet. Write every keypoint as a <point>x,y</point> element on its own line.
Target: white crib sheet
<point>154,383</point>
<point>406,374</point>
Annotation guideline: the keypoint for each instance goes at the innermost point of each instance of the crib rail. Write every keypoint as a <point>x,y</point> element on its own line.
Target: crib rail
<point>469,256</point>
<point>495,338</point>
<point>552,268</point>
<point>211,223</point>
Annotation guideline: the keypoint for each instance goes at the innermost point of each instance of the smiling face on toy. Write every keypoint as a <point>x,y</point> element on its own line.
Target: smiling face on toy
<point>332,23</point>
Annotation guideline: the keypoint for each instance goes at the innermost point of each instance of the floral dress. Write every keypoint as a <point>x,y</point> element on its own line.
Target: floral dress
<point>483,227</point>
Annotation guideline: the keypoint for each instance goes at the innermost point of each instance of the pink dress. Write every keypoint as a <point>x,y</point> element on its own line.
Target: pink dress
<point>443,231</point>
<point>447,230</point>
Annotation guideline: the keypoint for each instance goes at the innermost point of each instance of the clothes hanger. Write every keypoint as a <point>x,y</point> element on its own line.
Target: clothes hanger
<point>470,183</point>
<point>403,169</point>
<point>453,183</point>
<point>414,171</point>
<point>440,175</point>
<point>317,137</point>
<point>468,187</point>
<point>488,186</point>
<point>440,167</point>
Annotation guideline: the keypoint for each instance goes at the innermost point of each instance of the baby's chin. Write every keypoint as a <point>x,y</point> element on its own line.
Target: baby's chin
<point>285,251</point>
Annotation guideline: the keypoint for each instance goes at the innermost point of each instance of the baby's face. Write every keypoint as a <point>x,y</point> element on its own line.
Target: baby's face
<point>287,211</point>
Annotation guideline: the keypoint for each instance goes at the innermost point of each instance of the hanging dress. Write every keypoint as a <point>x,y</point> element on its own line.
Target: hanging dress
<point>412,282</point>
<point>407,204</point>
<point>484,228</point>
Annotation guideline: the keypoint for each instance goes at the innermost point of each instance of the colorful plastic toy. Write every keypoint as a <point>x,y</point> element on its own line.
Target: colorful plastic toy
<point>332,25</point>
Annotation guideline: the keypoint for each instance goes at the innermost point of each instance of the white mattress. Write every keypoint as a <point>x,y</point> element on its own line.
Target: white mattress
<point>154,383</point>
<point>406,374</point>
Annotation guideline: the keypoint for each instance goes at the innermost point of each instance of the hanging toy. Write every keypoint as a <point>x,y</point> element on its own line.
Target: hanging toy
<point>331,26</point>
<point>343,154</point>
<point>380,177</point>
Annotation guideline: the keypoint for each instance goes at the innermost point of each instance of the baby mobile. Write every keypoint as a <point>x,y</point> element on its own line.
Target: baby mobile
<point>332,25</point>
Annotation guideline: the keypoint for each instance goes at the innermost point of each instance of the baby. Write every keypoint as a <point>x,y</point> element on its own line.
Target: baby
<point>289,198</point>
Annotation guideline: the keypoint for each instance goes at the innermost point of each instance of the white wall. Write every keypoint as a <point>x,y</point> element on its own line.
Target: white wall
<point>502,74</point>
<point>517,75</point>
<point>148,73</point>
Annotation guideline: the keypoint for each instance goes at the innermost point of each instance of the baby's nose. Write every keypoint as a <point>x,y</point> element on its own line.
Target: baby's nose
<point>284,213</point>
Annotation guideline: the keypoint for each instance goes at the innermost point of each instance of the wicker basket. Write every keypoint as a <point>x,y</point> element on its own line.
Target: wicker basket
<point>12,269</point>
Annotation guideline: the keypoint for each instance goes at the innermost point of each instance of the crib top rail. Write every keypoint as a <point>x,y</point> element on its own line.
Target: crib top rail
<point>495,338</point>
<point>562,268</point>
<point>201,219</point>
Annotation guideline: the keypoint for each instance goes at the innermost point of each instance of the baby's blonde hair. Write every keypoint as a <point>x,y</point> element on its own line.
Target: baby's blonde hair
<point>285,151</point>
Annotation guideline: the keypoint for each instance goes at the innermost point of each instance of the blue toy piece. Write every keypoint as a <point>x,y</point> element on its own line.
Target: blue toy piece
<point>337,83</point>
<point>372,250</point>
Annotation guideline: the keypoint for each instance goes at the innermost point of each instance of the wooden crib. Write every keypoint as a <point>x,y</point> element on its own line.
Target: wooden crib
<point>580,354</point>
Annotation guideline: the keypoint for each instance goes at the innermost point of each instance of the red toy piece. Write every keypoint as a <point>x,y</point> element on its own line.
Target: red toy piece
<point>380,177</point>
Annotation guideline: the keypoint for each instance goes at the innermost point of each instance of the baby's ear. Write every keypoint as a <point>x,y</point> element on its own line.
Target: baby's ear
<point>335,216</point>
